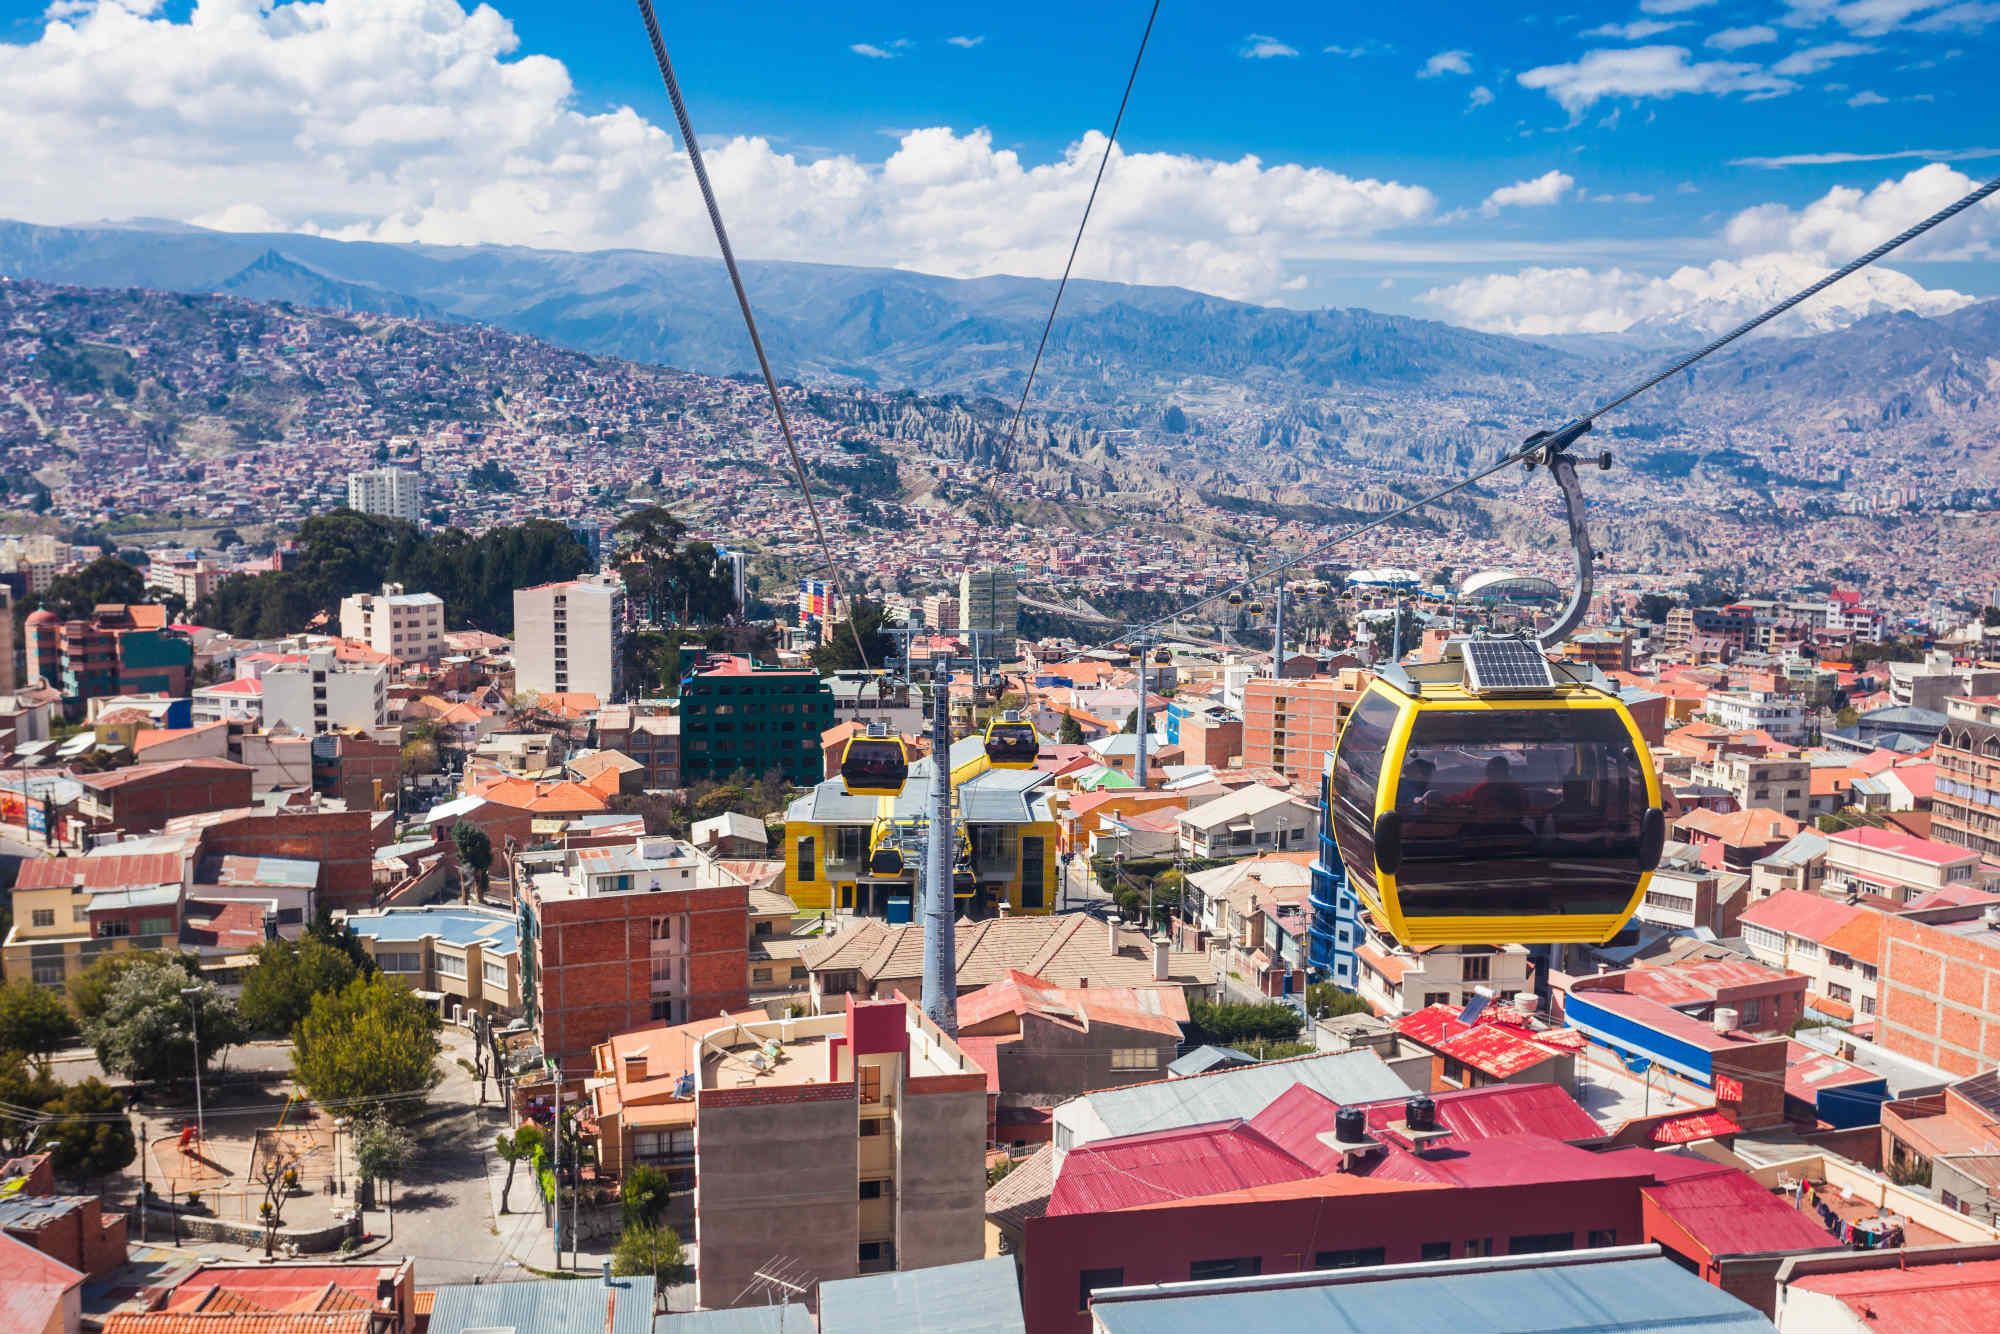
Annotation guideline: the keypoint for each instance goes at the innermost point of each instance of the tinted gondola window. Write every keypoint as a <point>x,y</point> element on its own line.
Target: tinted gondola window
<point>1361,745</point>
<point>1519,811</point>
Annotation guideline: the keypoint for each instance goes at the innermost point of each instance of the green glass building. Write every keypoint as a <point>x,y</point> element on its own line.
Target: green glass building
<point>739,714</point>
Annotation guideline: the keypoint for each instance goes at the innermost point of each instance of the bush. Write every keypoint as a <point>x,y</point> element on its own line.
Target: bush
<point>1231,1023</point>
<point>649,1250</point>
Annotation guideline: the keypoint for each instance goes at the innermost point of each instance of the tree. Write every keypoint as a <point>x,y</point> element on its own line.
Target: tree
<point>1326,1000</point>
<point>1071,732</point>
<point>33,1019</point>
<point>643,1196</point>
<point>1653,607</point>
<point>1231,1022</point>
<point>649,1250</point>
<point>475,850</point>
<point>278,989</point>
<point>106,579</point>
<point>421,757</point>
<point>225,538</point>
<point>89,1134</point>
<point>371,1039</point>
<point>652,535</point>
<point>519,1147</point>
<point>25,1085</point>
<point>342,937</point>
<point>836,647</point>
<point>146,1030</point>
<point>382,1150</point>
<point>88,989</point>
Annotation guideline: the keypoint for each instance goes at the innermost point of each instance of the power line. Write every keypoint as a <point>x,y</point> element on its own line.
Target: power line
<point>1561,438</point>
<point>749,320</point>
<point>1007,445</point>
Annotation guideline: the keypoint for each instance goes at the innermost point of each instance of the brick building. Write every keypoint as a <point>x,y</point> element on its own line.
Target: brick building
<point>141,798</point>
<point>120,650</point>
<point>71,1228</point>
<point>342,842</point>
<point>619,938</point>
<point>1940,988</point>
<point>1291,725</point>
<point>1965,804</point>
<point>362,770</point>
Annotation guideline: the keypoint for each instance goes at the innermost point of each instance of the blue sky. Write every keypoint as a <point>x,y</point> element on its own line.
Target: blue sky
<point>1539,171</point>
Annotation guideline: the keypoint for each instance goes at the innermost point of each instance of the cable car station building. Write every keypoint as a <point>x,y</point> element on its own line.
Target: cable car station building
<point>861,854</point>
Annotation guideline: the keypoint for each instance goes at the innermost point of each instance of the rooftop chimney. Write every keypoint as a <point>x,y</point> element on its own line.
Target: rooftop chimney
<point>1160,946</point>
<point>1111,927</point>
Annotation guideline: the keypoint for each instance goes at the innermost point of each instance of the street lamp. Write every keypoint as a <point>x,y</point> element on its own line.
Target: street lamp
<point>189,994</point>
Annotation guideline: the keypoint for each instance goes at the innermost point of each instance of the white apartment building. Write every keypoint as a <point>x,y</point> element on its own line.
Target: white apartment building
<point>1776,783</point>
<point>1780,716</point>
<point>407,626</point>
<point>1397,982</point>
<point>1894,864</point>
<point>1835,945</point>
<point>569,638</point>
<point>1248,822</point>
<point>193,579</point>
<point>393,492</point>
<point>238,701</point>
<point>316,692</point>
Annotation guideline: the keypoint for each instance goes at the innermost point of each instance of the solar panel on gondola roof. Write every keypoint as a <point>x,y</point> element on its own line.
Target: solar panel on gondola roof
<point>1505,664</point>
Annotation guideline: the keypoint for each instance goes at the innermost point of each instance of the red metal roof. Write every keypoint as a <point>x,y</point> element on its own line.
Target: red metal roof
<point>1507,1160</point>
<point>1495,1051</point>
<point>1698,1125</point>
<point>1903,845</point>
<point>1796,913</point>
<point>1498,1110</point>
<point>1727,1213</point>
<point>1182,1164</point>
<point>1924,1297</point>
<point>109,871</point>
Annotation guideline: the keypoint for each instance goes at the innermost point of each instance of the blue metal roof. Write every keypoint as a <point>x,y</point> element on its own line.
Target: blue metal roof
<point>455,926</point>
<point>791,1318</point>
<point>1604,1296</point>
<point>546,1304</point>
<point>1224,1095</point>
<point>973,1297</point>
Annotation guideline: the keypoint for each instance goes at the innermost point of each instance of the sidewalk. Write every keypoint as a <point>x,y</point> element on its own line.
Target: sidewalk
<point>526,1239</point>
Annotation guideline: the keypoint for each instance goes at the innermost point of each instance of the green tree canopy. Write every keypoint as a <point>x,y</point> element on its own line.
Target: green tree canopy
<point>1325,1000</point>
<point>26,1085</point>
<point>146,1030</point>
<point>836,648</point>
<point>649,1249</point>
<point>1071,732</point>
<point>88,989</point>
<point>1231,1022</point>
<point>475,850</point>
<point>372,1039</point>
<point>90,1135</point>
<point>278,989</point>
<point>643,1195</point>
<point>106,579</point>
<point>33,1019</point>
<point>382,1149</point>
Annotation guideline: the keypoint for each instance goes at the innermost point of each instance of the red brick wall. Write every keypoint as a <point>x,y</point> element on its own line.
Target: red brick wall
<point>84,1238</point>
<point>594,974</point>
<point>143,805</point>
<point>342,842</point>
<point>1938,996</point>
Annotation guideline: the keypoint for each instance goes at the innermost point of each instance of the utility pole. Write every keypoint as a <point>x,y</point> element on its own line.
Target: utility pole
<point>1278,636</point>
<point>940,945</point>
<point>1139,769</point>
<point>190,995</point>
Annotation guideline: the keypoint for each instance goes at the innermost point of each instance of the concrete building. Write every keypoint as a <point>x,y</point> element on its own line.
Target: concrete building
<point>1935,680</point>
<point>120,650</point>
<point>317,691</point>
<point>407,626</point>
<point>740,714</point>
<point>190,578</point>
<point>1248,822</point>
<point>1397,981</point>
<point>652,739</point>
<point>569,638</point>
<point>989,601</point>
<point>1837,946</point>
<point>1965,801</point>
<point>1780,716</point>
<point>467,957</point>
<point>392,492</point>
<point>8,677</point>
<point>621,937</point>
<point>70,910</point>
<point>940,611</point>
<point>1781,783</point>
<point>1291,725</point>
<point>1895,865</point>
<point>240,701</point>
<point>849,1143</point>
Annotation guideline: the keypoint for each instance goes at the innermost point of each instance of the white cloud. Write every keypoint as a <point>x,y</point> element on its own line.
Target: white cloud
<point>1735,39</point>
<point>1647,71</point>
<point>1876,18</point>
<point>1834,159</point>
<point>1537,302</point>
<point>1673,6</point>
<point>1813,59</point>
<point>1629,197</point>
<point>1368,46</point>
<point>1845,221</point>
<point>1867,98</point>
<point>1259,47</point>
<point>868,49</point>
<point>1545,189</point>
<point>418,120</point>
<point>1446,62</point>
<point>1636,31</point>
<point>1480,96</point>
<point>1960,18</point>
<point>966,42</point>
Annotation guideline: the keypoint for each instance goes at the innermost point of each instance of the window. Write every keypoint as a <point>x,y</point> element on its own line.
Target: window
<point>1603,1236</point>
<point>1537,1243</point>
<point>762,928</point>
<point>1478,1248</point>
<point>1359,1258</point>
<point>878,1253</point>
<point>1435,1250</point>
<point>868,1083</point>
<point>114,928</point>
<point>1478,967</point>
<point>1034,892</point>
<point>1090,1280</point>
<point>760,975</point>
<point>663,1009</point>
<point>1437,998</point>
<point>496,974</point>
<point>1845,995</point>
<point>1751,1010</point>
<point>1454,1071</point>
<point>400,962</point>
<point>807,870</point>
<point>798,972</point>
<point>451,965</point>
<point>662,928</point>
<point>47,972</point>
<point>873,1126</point>
<point>1240,1266</point>
<point>874,1190</point>
<point>1867,1005</point>
<point>47,916</point>
<point>1135,1058</point>
<point>155,926</point>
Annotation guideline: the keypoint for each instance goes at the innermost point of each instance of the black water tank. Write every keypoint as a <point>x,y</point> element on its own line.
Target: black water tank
<point>1420,1113</point>
<point>1350,1125</point>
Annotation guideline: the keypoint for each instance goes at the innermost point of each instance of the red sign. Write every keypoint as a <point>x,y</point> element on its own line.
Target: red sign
<point>1688,1129</point>
<point>1727,1089</point>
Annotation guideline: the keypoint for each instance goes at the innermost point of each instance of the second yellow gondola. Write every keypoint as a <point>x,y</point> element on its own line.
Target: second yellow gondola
<point>874,766</point>
<point>1012,743</point>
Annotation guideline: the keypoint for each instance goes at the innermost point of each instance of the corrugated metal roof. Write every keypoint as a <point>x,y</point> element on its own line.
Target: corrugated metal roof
<point>1468,1297</point>
<point>33,1292</point>
<point>1922,1296</point>
<point>973,1297</point>
<point>1240,1093</point>
<point>789,1318</point>
<point>260,872</point>
<point>624,1306</point>
<point>1727,1213</point>
<point>1182,1164</point>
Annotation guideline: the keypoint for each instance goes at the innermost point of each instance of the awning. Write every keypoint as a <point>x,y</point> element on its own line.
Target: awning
<point>1688,1129</point>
